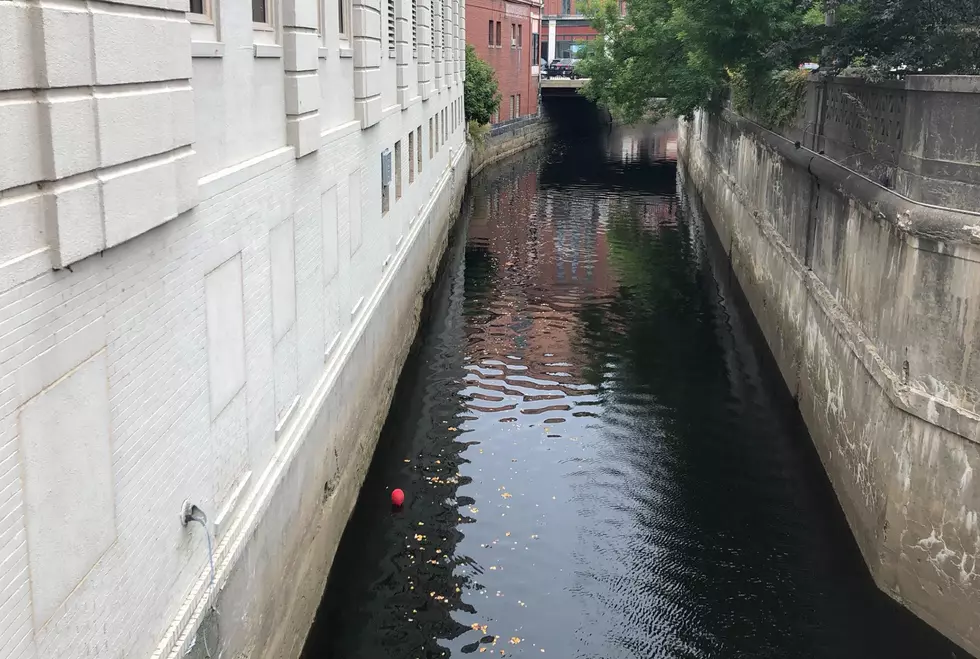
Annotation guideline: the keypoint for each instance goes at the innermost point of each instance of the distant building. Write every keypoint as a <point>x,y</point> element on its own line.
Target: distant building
<point>567,28</point>
<point>505,34</point>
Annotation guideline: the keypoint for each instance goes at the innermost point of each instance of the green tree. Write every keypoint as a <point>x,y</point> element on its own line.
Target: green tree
<point>481,97</point>
<point>688,51</point>
<point>684,50</point>
<point>893,36</point>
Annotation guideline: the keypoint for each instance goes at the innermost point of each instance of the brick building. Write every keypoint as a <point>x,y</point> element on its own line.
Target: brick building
<point>505,34</point>
<point>567,28</point>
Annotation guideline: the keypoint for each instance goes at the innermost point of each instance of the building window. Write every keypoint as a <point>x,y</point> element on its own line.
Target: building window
<point>498,34</point>
<point>343,16</point>
<point>200,8</point>
<point>566,7</point>
<point>518,106</point>
<point>385,181</point>
<point>391,25</point>
<point>411,157</point>
<point>511,107</point>
<point>418,140</point>
<point>489,35</point>
<point>445,126</point>
<point>438,134</point>
<point>431,144</point>
<point>520,36</point>
<point>534,45</point>
<point>513,35</point>
<point>262,13</point>
<point>398,170</point>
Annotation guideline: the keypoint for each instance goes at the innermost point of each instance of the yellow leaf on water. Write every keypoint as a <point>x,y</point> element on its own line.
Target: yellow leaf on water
<point>506,495</point>
<point>475,626</point>
<point>514,640</point>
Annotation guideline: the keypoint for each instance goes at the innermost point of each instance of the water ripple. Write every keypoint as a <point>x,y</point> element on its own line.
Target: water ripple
<point>597,461</point>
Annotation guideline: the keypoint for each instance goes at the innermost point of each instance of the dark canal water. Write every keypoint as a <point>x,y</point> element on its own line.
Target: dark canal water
<point>598,460</point>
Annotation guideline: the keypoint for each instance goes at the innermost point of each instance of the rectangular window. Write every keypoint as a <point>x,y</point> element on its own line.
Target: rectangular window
<point>438,134</point>
<point>418,140</point>
<point>511,107</point>
<point>498,34</point>
<point>260,11</point>
<point>445,126</point>
<point>534,44</point>
<point>411,157</point>
<point>391,25</point>
<point>566,7</point>
<point>513,35</point>
<point>489,35</point>
<point>431,143</point>
<point>398,170</point>
<point>200,7</point>
<point>343,18</point>
<point>386,172</point>
<point>520,36</point>
<point>518,106</point>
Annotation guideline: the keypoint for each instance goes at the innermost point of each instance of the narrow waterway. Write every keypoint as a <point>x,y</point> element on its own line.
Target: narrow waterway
<point>598,459</point>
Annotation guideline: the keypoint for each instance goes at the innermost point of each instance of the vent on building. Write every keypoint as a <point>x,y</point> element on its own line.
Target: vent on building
<point>415,27</point>
<point>391,25</point>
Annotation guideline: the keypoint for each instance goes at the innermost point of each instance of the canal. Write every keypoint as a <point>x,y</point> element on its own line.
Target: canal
<point>598,458</point>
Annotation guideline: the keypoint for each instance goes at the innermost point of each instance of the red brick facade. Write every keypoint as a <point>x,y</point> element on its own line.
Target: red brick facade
<point>503,34</point>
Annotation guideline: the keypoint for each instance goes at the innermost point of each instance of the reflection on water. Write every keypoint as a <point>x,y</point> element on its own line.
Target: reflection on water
<point>596,464</point>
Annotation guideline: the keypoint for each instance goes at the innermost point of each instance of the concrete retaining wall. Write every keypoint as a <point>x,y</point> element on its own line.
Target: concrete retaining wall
<point>870,304</point>
<point>508,140</point>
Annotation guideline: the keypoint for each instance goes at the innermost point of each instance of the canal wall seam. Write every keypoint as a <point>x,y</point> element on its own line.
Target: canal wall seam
<point>867,302</point>
<point>508,143</point>
<point>282,524</point>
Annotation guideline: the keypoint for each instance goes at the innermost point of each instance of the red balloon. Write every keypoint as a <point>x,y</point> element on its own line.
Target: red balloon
<point>397,497</point>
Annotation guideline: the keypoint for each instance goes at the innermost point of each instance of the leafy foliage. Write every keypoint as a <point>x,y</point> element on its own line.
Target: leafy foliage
<point>932,36</point>
<point>690,52</point>
<point>478,133</point>
<point>682,51</point>
<point>480,92</point>
<point>773,100</point>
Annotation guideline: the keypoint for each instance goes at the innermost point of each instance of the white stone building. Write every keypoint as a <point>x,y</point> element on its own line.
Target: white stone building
<point>206,294</point>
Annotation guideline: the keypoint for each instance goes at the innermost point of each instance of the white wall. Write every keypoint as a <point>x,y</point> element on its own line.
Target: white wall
<point>182,257</point>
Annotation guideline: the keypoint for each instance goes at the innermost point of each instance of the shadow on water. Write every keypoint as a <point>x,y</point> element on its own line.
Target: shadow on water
<point>599,457</point>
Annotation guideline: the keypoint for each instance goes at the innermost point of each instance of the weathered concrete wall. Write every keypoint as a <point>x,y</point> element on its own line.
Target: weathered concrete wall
<point>871,306</point>
<point>508,141</point>
<point>918,136</point>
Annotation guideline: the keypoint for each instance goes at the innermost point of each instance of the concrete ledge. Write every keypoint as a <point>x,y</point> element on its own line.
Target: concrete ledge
<point>909,216</point>
<point>207,49</point>
<point>266,50</point>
